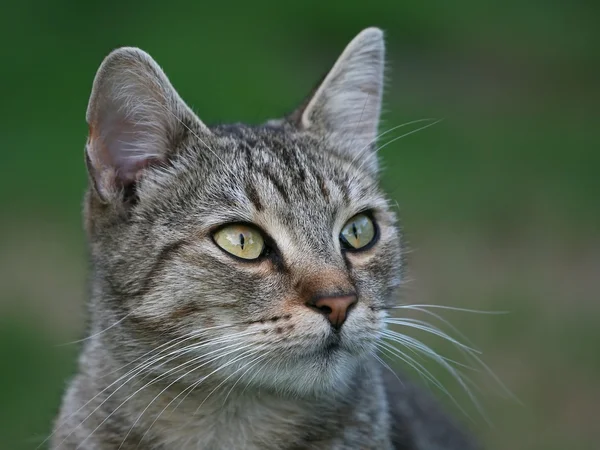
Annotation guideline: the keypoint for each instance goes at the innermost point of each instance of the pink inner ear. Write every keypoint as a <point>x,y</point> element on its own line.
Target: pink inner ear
<point>123,147</point>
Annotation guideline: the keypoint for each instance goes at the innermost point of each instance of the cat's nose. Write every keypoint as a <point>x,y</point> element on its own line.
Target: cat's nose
<point>335,308</point>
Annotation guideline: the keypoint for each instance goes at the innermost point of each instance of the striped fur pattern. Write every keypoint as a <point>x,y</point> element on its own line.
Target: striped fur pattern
<point>190,348</point>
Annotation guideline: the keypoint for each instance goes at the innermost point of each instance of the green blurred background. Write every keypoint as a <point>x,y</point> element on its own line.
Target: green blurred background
<point>499,202</point>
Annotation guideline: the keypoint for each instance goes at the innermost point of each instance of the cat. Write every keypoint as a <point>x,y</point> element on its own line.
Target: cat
<point>241,275</point>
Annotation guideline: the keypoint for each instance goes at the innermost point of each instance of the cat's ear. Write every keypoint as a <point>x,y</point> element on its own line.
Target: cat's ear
<point>135,118</point>
<point>347,103</point>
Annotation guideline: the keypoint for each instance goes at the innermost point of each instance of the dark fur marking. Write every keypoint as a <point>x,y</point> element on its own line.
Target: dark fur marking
<point>251,191</point>
<point>277,184</point>
<point>162,258</point>
<point>322,185</point>
<point>291,158</point>
<point>253,196</point>
<point>249,162</point>
<point>270,319</point>
<point>184,311</point>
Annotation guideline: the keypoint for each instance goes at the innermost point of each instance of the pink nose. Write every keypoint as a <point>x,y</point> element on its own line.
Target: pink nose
<point>334,308</point>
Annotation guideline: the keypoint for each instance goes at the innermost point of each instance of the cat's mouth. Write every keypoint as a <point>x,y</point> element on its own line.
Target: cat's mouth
<point>332,344</point>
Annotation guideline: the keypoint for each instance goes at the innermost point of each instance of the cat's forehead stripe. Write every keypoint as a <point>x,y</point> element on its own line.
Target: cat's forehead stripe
<point>294,171</point>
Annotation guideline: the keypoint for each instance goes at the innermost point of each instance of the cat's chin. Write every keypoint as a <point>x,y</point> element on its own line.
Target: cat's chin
<point>326,371</point>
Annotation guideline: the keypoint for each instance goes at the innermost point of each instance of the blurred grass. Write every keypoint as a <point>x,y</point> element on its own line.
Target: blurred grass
<point>499,202</point>
<point>32,383</point>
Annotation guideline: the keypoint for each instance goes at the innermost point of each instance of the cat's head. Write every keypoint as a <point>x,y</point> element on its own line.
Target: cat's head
<point>268,249</point>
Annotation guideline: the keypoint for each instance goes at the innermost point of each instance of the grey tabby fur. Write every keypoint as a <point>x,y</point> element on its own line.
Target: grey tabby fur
<point>170,310</point>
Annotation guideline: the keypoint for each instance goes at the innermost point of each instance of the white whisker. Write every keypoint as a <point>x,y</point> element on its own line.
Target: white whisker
<point>259,357</point>
<point>425,374</point>
<point>423,326</point>
<point>451,308</point>
<point>242,375</point>
<point>357,174</point>
<point>245,354</point>
<point>386,365</point>
<point>152,382</point>
<point>135,371</point>
<point>441,319</point>
<point>408,134</point>
<point>145,366</point>
<point>362,151</point>
<point>96,334</point>
<point>468,352</point>
<point>225,166</point>
<point>429,352</point>
<point>465,352</point>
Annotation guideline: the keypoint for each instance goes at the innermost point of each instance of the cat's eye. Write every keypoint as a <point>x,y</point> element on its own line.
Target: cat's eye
<point>240,240</point>
<point>358,232</point>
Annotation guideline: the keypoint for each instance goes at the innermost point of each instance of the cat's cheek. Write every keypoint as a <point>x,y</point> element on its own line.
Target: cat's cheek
<point>363,323</point>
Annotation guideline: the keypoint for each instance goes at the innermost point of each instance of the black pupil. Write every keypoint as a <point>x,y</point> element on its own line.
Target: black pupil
<point>242,240</point>
<point>354,230</point>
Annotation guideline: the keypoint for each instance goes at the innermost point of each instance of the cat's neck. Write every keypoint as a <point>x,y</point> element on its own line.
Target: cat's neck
<point>177,416</point>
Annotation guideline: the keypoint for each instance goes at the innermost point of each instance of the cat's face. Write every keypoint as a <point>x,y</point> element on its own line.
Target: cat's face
<point>268,251</point>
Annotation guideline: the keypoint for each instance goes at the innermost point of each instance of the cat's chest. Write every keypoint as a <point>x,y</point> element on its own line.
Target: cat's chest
<point>251,439</point>
<point>250,425</point>
<point>258,427</point>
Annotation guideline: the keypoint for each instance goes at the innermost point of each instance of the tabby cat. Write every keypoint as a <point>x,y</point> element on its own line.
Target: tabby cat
<point>241,275</point>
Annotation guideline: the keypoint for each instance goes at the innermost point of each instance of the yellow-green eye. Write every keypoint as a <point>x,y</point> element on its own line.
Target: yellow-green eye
<point>242,241</point>
<point>358,232</point>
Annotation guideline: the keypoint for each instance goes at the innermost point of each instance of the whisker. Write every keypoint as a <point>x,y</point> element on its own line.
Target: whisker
<point>259,357</point>
<point>408,134</point>
<point>255,375</point>
<point>168,110</point>
<point>414,343</point>
<point>138,369</point>
<point>394,140</point>
<point>242,375</point>
<point>429,352</point>
<point>128,380</point>
<point>150,383</point>
<point>424,373</point>
<point>225,166</point>
<point>361,152</point>
<point>401,336</point>
<point>441,319</point>
<point>451,308</point>
<point>178,340</point>
<point>468,352</point>
<point>190,388</point>
<point>386,365</point>
<point>96,334</point>
<point>423,326</point>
